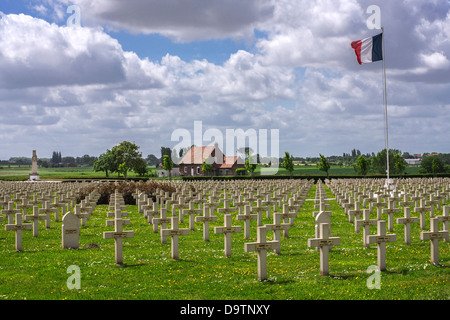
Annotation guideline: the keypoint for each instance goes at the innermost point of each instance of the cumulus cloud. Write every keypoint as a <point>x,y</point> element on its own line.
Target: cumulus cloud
<point>78,89</point>
<point>181,20</point>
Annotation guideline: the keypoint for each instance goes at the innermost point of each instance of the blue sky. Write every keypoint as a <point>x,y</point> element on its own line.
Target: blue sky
<point>140,70</point>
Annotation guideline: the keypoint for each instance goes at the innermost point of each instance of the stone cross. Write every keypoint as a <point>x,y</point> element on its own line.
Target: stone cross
<point>324,244</point>
<point>70,231</point>
<point>81,216</point>
<point>434,235</point>
<point>422,209</point>
<point>379,205</point>
<point>269,202</point>
<point>445,218</point>
<point>405,201</point>
<point>151,213</point>
<point>118,234</point>
<point>258,209</point>
<point>322,217</point>
<point>380,239</point>
<point>25,205</point>
<point>117,215</point>
<point>18,227</point>
<point>47,208</point>
<point>35,217</point>
<point>432,202</point>
<point>390,212</point>
<point>407,220</point>
<point>226,209</point>
<point>261,246</point>
<point>205,219</point>
<point>246,217</point>
<point>276,227</point>
<point>180,206</point>
<point>10,212</point>
<point>286,215</point>
<point>163,220</point>
<point>365,223</point>
<point>357,211</point>
<point>174,232</point>
<point>227,230</point>
<point>322,207</point>
<point>191,211</point>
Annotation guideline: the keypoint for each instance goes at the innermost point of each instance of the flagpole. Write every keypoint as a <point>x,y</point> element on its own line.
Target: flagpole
<point>385,109</point>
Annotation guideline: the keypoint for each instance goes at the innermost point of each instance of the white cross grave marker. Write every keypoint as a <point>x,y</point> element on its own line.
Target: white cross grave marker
<point>246,217</point>
<point>365,223</point>
<point>174,232</point>
<point>434,235</point>
<point>206,218</point>
<point>324,244</point>
<point>18,227</point>
<point>227,230</point>
<point>261,246</point>
<point>407,220</point>
<point>380,239</point>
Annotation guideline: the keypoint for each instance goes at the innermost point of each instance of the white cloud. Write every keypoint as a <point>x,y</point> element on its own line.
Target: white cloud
<point>180,20</point>
<point>76,89</point>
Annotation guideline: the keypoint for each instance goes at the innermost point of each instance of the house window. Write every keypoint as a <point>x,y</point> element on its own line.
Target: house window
<point>198,170</point>
<point>185,169</point>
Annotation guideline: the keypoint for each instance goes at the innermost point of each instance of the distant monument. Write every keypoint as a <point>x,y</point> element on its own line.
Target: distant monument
<point>34,175</point>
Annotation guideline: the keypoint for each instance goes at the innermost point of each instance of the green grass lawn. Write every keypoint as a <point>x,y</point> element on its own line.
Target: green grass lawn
<point>21,173</point>
<point>40,271</point>
<point>80,173</point>
<point>334,170</point>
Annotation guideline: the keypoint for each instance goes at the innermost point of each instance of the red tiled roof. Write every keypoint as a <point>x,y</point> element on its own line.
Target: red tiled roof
<point>228,161</point>
<point>196,155</point>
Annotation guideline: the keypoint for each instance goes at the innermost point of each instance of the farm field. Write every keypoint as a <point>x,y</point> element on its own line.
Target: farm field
<point>203,273</point>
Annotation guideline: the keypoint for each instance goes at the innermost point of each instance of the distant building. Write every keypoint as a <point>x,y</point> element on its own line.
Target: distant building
<point>413,162</point>
<point>191,163</point>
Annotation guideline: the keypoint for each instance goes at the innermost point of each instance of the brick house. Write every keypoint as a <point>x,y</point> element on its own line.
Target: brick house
<point>191,163</point>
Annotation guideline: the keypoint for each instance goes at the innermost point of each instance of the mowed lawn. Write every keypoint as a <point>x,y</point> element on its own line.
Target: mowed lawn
<point>40,271</point>
<point>21,173</point>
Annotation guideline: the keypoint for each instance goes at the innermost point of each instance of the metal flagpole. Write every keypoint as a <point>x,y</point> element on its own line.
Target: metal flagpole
<point>385,110</point>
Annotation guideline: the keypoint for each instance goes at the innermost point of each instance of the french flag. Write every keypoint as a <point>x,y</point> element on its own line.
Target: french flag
<point>369,50</point>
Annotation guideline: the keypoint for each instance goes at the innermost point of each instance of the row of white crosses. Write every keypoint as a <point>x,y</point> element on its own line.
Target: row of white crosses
<point>21,198</point>
<point>156,213</point>
<point>382,238</point>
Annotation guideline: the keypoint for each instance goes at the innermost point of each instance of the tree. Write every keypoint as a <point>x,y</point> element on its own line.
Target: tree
<point>206,167</point>
<point>432,164</point>
<point>168,165</point>
<point>249,166</point>
<point>362,165</point>
<point>323,164</point>
<point>141,167</point>
<point>378,162</point>
<point>166,151</point>
<point>126,157</point>
<point>105,162</point>
<point>399,164</point>
<point>152,160</point>
<point>288,162</point>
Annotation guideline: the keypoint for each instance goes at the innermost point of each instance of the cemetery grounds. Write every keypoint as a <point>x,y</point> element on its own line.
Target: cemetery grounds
<point>203,272</point>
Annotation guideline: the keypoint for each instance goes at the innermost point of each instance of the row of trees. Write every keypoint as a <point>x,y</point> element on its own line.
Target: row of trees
<point>378,163</point>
